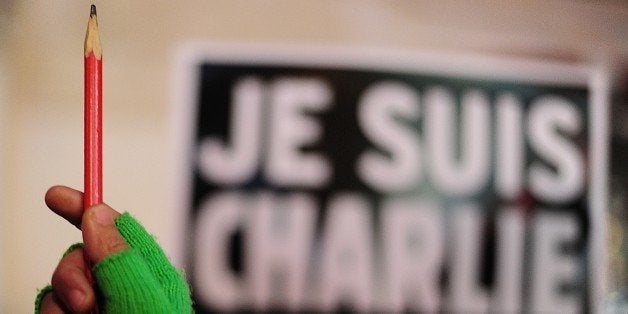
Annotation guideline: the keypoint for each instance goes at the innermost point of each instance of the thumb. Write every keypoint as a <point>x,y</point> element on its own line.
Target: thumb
<point>100,235</point>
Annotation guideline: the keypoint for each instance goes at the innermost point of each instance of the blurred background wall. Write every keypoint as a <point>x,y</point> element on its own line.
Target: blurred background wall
<point>41,75</point>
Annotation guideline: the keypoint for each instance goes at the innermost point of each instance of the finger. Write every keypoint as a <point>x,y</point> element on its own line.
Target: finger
<point>70,284</point>
<point>50,304</point>
<point>100,235</point>
<point>66,202</point>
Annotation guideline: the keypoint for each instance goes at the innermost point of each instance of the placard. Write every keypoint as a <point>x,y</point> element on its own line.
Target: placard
<point>325,179</point>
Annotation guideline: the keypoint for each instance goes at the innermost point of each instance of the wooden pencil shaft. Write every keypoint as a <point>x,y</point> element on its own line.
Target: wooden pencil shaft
<point>93,131</point>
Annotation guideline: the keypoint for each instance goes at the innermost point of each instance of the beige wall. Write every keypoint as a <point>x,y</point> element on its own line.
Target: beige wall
<point>41,88</point>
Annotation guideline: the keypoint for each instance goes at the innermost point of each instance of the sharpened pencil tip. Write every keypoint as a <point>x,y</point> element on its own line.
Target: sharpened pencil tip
<point>92,41</point>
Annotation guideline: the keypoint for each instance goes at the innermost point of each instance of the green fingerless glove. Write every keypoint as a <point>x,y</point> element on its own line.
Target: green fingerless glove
<point>142,279</point>
<point>138,280</point>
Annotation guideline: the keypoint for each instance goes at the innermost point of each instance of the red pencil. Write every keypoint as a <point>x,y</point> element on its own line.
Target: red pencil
<point>93,114</point>
<point>93,121</point>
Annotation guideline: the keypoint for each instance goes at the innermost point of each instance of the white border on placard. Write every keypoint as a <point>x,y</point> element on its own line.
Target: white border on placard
<point>599,149</point>
<point>596,78</point>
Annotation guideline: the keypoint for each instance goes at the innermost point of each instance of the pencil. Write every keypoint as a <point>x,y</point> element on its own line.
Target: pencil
<point>93,123</point>
<point>93,114</point>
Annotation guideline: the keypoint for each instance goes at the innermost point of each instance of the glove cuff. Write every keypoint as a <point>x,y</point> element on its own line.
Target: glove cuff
<point>40,296</point>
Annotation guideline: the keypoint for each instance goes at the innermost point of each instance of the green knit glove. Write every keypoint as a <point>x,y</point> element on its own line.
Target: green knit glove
<point>141,279</point>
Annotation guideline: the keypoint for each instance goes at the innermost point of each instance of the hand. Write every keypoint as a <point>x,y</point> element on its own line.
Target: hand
<point>71,287</point>
<point>130,269</point>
